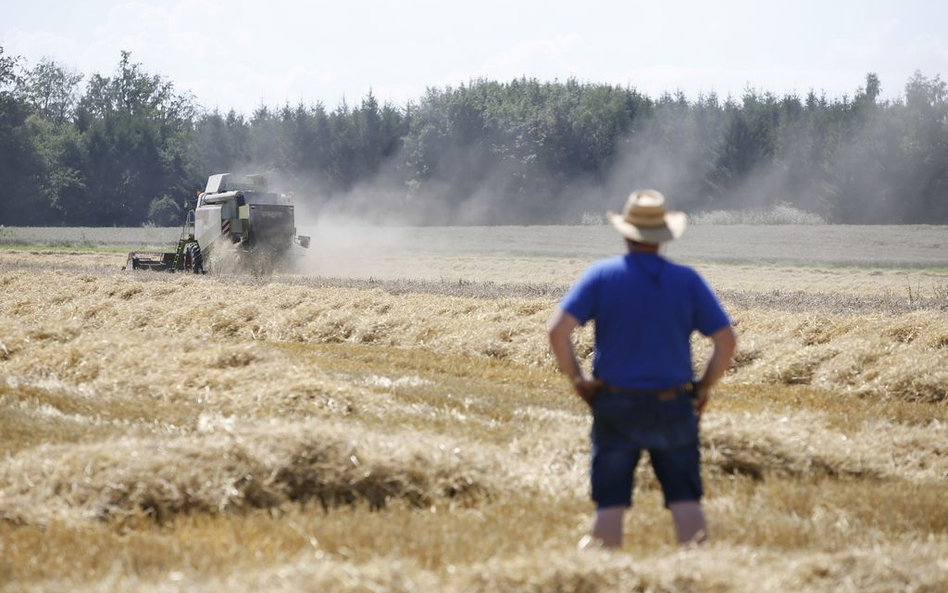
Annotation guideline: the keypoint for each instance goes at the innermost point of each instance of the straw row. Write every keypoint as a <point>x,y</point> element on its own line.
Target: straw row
<point>230,470</point>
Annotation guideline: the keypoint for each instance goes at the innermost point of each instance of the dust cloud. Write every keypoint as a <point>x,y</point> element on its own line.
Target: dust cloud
<point>385,225</point>
<point>464,193</point>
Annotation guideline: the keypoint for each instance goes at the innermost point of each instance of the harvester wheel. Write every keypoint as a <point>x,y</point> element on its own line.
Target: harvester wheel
<point>196,258</point>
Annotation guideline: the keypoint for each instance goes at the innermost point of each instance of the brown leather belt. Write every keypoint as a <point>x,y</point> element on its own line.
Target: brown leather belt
<point>666,394</point>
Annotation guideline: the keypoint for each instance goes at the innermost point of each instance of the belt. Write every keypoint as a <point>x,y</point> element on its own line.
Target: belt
<point>665,394</point>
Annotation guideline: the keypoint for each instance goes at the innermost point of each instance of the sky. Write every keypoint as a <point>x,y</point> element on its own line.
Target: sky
<point>241,54</point>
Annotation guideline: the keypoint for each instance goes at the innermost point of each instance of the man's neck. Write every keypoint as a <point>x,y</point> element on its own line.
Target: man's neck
<point>636,247</point>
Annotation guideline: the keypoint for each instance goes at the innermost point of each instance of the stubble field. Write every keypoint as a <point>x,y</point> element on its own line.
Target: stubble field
<point>386,417</point>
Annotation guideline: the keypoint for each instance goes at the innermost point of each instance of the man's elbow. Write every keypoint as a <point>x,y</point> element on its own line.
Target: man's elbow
<point>560,326</point>
<point>556,331</point>
<point>725,340</point>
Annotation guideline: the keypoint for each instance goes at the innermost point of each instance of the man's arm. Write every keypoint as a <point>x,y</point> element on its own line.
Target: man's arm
<point>560,329</point>
<point>725,342</point>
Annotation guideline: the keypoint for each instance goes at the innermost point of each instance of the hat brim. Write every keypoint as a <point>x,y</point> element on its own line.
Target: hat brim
<point>674,227</point>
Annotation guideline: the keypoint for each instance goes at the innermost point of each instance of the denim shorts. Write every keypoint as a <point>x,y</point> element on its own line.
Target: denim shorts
<point>624,425</point>
<point>613,474</point>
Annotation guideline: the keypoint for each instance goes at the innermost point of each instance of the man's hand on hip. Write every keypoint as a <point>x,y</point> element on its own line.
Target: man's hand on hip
<point>587,389</point>
<point>561,328</point>
<point>702,395</point>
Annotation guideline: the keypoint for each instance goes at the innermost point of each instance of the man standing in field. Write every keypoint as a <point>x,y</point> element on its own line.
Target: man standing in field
<point>642,394</point>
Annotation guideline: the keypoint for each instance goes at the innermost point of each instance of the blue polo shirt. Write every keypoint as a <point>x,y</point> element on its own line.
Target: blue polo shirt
<point>645,308</point>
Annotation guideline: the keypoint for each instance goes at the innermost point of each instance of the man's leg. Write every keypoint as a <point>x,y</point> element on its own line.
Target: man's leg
<point>679,473</point>
<point>613,475</point>
<point>607,526</point>
<point>690,524</point>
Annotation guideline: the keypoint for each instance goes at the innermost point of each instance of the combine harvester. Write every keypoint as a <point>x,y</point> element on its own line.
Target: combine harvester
<point>237,225</point>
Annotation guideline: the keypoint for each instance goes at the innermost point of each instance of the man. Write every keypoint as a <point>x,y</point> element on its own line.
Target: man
<point>641,394</point>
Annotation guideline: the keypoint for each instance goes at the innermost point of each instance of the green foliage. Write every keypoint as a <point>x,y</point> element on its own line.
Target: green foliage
<point>7,70</point>
<point>51,90</point>
<point>486,152</point>
<point>135,135</point>
<point>22,162</point>
<point>164,211</point>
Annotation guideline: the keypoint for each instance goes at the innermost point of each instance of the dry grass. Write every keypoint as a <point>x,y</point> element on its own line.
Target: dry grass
<point>882,355</point>
<point>878,355</point>
<point>226,469</point>
<point>172,433</point>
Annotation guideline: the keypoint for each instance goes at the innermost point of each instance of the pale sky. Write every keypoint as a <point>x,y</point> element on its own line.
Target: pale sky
<point>241,53</point>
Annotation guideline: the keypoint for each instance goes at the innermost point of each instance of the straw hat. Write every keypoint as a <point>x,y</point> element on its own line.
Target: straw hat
<point>644,218</point>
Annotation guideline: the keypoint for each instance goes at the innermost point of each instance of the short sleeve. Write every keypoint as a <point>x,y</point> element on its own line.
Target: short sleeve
<point>580,300</point>
<point>709,315</point>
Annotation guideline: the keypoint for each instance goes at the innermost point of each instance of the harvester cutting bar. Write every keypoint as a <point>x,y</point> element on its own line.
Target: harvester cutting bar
<point>156,262</point>
<point>186,256</point>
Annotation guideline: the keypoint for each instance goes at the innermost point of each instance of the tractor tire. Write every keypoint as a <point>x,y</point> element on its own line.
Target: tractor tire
<point>196,258</point>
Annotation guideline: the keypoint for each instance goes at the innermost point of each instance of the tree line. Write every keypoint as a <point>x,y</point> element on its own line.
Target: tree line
<point>129,148</point>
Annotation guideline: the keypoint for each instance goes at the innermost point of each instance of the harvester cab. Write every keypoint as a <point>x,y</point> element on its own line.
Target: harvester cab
<point>237,220</point>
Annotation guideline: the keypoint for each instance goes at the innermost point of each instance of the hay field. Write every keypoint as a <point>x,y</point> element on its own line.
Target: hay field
<point>349,430</point>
